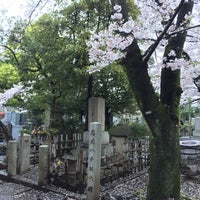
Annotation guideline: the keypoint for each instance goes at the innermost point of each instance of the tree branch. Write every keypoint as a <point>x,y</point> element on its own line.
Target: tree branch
<point>13,53</point>
<point>34,9</point>
<point>185,29</point>
<point>39,66</point>
<point>152,48</point>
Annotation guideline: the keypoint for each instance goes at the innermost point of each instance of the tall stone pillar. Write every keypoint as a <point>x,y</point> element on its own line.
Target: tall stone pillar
<point>24,153</point>
<point>94,161</point>
<point>12,157</point>
<point>96,113</point>
<point>43,165</point>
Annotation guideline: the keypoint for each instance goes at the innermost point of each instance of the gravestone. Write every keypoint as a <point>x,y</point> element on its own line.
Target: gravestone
<point>96,113</point>
<point>196,131</point>
<point>24,153</point>
<point>119,136</point>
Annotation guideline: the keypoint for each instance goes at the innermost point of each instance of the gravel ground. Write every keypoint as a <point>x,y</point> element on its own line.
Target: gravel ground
<point>11,191</point>
<point>128,188</point>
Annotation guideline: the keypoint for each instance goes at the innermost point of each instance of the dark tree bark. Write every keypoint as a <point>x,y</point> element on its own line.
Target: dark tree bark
<point>161,113</point>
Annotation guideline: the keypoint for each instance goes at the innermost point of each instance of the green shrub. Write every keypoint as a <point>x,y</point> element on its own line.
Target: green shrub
<point>140,130</point>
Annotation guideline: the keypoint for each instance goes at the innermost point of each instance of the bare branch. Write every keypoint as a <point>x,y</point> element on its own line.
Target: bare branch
<point>34,10</point>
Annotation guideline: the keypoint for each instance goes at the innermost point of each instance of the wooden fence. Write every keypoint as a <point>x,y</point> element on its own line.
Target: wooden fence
<point>134,158</point>
<point>3,148</point>
<point>60,145</point>
<point>68,163</point>
<point>72,171</point>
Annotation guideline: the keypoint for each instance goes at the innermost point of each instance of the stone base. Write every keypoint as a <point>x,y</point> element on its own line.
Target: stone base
<point>105,138</point>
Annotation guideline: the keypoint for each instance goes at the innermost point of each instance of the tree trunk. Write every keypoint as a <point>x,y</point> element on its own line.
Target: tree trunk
<point>161,113</point>
<point>164,172</point>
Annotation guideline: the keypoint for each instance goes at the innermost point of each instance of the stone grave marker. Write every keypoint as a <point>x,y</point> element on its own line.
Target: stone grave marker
<point>24,153</point>
<point>96,113</point>
<point>94,161</point>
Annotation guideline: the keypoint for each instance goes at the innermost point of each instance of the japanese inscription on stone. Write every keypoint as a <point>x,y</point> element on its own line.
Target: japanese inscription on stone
<point>94,161</point>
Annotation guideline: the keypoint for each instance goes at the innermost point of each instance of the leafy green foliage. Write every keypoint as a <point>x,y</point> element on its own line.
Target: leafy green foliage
<point>8,76</point>
<point>111,83</point>
<point>51,56</point>
<point>140,130</point>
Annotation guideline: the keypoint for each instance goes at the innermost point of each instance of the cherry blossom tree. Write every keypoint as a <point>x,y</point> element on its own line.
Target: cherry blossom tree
<point>168,31</point>
<point>10,93</point>
<point>4,97</point>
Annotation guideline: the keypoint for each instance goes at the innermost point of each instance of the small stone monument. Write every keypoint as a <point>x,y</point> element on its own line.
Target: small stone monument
<point>119,137</point>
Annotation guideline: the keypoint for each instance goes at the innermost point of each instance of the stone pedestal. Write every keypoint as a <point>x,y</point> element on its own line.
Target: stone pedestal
<point>12,158</point>
<point>24,153</point>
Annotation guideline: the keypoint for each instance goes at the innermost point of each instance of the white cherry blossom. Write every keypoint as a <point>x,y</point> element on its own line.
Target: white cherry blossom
<point>109,45</point>
<point>10,93</point>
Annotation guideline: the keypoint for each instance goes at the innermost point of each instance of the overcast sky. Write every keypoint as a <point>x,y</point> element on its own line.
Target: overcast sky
<point>24,7</point>
<point>14,7</point>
